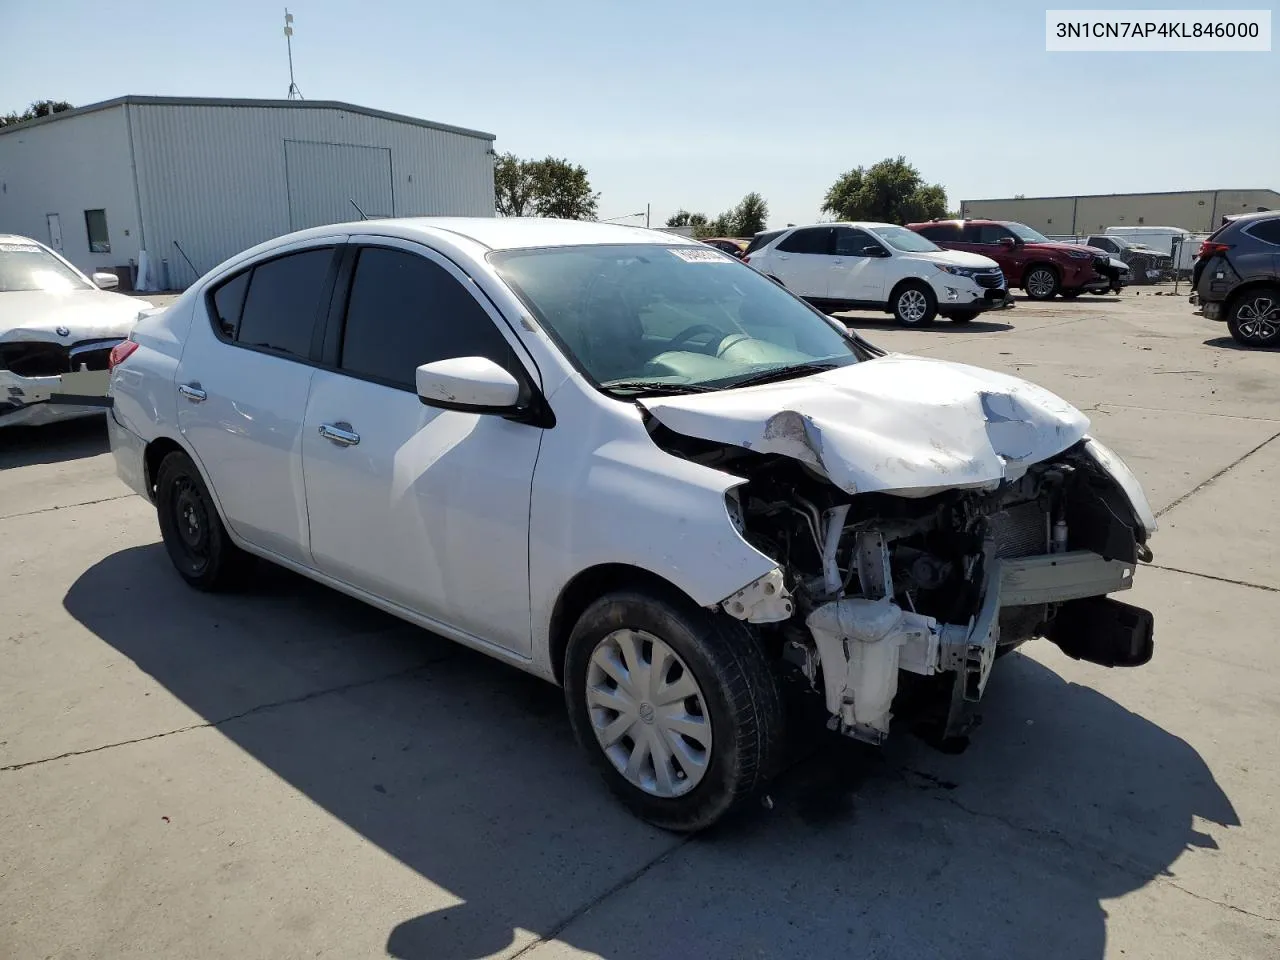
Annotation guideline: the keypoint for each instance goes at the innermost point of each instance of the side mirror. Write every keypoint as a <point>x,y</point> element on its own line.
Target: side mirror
<point>1008,242</point>
<point>105,281</point>
<point>475,384</point>
<point>874,250</point>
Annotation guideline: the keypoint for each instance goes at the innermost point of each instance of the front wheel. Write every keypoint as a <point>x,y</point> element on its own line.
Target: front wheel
<point>191,529</point>
<point>915,305</point>
<point>677,707</point>
<point>1041,283</point>
<point>1254,317</point>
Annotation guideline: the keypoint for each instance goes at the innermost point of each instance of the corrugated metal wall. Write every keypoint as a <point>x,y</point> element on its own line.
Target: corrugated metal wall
<point>66,167</point>
<point>216,180</point>
<point>1199,211</point>
<point>333,182</point>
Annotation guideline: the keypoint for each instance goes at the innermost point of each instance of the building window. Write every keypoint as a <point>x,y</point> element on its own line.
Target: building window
<point>95,222</point>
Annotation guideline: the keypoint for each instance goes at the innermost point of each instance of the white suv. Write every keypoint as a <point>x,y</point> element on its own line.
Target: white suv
<point>879,266</point>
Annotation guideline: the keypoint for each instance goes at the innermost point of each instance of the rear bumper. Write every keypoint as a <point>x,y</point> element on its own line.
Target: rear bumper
<point>129,452</point>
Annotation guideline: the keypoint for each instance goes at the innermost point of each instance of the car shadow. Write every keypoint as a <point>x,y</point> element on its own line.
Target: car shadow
<point>1229,343</point>
<point>465,771</point>
<point>23,446</point>
<point>941,325</point>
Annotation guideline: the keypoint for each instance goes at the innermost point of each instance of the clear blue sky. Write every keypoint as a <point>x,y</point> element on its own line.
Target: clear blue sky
<point>694,103</point>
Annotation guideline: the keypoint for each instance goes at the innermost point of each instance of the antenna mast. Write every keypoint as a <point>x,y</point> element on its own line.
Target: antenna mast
<point>294,92</point>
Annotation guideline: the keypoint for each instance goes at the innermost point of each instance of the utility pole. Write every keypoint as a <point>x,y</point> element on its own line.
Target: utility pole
<point>646,216</point>
<point>294,92</point>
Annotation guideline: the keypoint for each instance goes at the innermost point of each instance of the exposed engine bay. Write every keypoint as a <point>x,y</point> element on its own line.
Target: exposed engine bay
<point>876,591</point>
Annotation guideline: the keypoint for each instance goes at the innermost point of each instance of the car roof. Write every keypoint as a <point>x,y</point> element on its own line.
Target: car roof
<point>505,233</point>
<point>872,224</point>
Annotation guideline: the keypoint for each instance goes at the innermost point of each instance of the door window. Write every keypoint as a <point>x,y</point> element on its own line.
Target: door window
<point>849,242</point>
<point>273,306</point>
<point>988,233</point>
<point>808,240</point>
<point>1267,231</point>
<point>405,310</point>
<point>941,232</point>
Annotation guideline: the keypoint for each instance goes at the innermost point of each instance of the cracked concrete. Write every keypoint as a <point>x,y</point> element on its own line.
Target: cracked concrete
<point>285,772</point>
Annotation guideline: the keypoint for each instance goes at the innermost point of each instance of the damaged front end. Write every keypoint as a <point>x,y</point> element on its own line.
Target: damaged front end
<point>901,601</point>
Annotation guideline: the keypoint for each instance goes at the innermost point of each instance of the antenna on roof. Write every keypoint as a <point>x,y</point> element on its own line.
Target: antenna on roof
<point>294,92</point>
<point>358,210</point>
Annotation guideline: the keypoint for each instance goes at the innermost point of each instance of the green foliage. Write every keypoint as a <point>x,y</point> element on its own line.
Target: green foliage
<point>551,187</point>
<point>749,217</point>
<point>891,191</point>
<point>41,108</point>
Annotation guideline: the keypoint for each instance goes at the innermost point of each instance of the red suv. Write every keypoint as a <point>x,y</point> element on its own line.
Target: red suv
<point>1040,266</point>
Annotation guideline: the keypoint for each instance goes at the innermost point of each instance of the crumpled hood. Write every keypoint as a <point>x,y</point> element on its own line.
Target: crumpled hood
<point>86,315</point>
<point>1068,248</point>
<point>899,424</point>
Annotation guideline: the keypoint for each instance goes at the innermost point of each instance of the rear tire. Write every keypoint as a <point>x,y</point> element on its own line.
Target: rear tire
<point>193,534</point>
<point>732,710</point>
<point>1254,317</point>
<point>1041,282</point>
<point>914,304</point>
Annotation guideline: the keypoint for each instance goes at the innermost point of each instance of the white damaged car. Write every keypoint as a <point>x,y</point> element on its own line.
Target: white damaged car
<point>631,465</point>
<point>57,328</point>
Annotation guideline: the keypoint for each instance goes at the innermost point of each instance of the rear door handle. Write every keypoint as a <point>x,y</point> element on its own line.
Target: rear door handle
<point>339,433</point>
<point>193,392</point>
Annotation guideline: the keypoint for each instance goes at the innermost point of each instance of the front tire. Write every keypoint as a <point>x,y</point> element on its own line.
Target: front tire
<point>677,707</point>
<point>1254,317</point>
<point>914,304</point>
<point>193,534</point>
<point>1041,283</point>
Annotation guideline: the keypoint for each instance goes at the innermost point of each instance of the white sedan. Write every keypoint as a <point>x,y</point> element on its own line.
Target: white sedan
<point>631,465</point>
<point>57,328</point>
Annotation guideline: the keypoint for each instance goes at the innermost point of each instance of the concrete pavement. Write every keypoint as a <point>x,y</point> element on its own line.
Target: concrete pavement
<point>289,773</point>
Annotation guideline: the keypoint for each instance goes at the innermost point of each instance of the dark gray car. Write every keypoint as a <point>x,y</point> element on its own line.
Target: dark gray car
<point>1237,278</point>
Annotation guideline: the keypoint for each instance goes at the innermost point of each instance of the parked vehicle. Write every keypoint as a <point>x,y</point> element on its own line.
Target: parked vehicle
<point>1237,278</point>
<point>1042,267</point>
<point>57,327</point>
<point>879,266</point>
<point>631,465</point>
<point>730,245</point>
<point>1148,265</point>
<point>1178,244</point>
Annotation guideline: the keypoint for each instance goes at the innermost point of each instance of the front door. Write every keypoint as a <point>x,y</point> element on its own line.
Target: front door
<point>987,239</point>
<point>55,231</point>
<point>242,389</point>
<point>855,276</point>
<point>802,261</point>
<point>424,507</point>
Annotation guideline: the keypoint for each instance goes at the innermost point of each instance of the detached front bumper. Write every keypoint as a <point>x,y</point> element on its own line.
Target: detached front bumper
<point>32,401</point>
<point>957,294</point>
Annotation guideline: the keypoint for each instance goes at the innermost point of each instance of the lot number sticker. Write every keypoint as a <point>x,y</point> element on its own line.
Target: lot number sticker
<point>696,255</point>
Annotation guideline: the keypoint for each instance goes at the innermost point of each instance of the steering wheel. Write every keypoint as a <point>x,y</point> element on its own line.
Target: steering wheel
<point>688,333</point>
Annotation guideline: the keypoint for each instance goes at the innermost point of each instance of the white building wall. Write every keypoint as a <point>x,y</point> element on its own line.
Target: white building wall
<point>66,167</point>
<point>215,178</point>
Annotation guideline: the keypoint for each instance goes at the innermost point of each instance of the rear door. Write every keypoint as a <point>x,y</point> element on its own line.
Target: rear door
<point>425,507</point>
<point>802,260</point>
<point>242,388</point>
<point>855,275</point>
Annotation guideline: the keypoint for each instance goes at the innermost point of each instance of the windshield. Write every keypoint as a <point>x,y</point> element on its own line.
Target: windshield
<point>643,316</point>
<point>26,266</point>
<point>1026,234</point>
<point>907,240</point>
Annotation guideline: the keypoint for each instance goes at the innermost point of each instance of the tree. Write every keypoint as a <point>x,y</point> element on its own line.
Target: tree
<point>513,186</point>
<point>891,191</point>
<point>41,108</point>
<point>747,218</point>
<point>546,188</point>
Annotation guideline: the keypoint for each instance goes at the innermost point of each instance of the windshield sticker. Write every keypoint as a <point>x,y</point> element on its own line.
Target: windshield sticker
<point>18,248</point>
<point>696,255</point>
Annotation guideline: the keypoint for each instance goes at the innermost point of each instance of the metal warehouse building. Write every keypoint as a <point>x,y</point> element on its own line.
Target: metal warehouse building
<point>179,184</point>
<point>1200,211</point>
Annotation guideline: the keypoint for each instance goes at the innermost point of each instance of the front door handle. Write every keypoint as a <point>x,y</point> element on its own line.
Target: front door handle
<point>339,433</point>
<point>193,392</point>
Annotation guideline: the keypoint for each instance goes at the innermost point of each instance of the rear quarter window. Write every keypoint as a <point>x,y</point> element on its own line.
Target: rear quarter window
<point>1267,231</point>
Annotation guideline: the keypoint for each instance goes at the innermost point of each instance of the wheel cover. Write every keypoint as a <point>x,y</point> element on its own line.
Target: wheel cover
<point>912,306</point>
<point>1040,283</point>
<point>191,522</point>
<point>648,713</point>
<point>1258,318</point>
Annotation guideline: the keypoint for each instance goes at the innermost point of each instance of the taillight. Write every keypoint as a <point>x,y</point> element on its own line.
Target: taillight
<point>1208,249</point>
<point>120,353</point>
